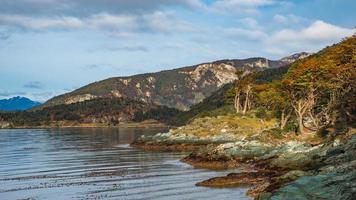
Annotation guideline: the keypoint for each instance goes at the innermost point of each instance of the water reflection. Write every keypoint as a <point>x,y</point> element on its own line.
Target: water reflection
<point>96,164</point>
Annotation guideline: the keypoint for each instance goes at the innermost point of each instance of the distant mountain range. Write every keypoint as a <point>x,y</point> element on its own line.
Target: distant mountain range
<point>178,88</point>
<point>17,103</point>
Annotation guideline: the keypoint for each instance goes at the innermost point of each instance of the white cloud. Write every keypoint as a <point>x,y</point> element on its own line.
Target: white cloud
<point>239,6</point>
<point>40,23</point>
<point>105,20</point>
<point>244,3</point>
<point>165,22</point>
<point>317,32</point>
<point>115,25</point>
<point>311,38</point>
<point>195,4</point>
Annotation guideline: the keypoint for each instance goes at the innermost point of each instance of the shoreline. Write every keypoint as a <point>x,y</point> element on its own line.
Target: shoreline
<point>124,125</point>
<point>268,167</point>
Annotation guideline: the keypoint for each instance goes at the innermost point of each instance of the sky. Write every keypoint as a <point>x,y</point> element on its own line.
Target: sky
<point>50,47</point>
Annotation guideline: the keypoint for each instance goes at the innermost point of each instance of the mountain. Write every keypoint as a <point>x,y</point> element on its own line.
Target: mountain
<point>178,88</point>
<point>219,102</point>
<point>172,97</point>
<point>17,103</point>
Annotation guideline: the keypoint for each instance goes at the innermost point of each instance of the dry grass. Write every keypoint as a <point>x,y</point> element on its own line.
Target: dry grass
<point>227,124</point>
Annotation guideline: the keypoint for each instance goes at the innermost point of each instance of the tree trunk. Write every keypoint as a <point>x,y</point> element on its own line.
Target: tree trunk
<point>302,128</point>
<point>300,108</point>
<point>245,105</point>
<point>237,102</point>
<point>247,99</point>
<point>284,119</point>
<point>303,106</point>
<point>249,104</point>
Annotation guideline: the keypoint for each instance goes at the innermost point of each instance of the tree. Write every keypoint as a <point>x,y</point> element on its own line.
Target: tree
<point>272,97</point>
<point>247,84</point>
<point>320,87</point>
<point>238,91</point>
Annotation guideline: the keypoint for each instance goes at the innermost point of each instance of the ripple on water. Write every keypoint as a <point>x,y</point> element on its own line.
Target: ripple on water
<point>96,164</point>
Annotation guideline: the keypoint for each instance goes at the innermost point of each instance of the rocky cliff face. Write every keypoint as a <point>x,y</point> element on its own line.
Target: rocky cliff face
<point>295,57</point>
<point>178,88</point>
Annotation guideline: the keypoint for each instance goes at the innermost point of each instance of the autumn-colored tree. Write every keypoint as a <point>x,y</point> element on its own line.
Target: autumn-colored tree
<point>318,86</point>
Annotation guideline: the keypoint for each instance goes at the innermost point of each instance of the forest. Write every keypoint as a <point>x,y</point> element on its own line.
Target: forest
<point>316,94</point>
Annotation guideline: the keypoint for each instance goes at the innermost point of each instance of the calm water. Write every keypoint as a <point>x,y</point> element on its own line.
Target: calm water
<point>96,164</point>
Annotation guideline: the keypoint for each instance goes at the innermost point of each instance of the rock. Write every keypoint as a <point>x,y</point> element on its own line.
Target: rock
<point>237,179</point>
<point>79,98</point>
<point>329,186</point>
<point>4,124</point>
<point>293,175</point>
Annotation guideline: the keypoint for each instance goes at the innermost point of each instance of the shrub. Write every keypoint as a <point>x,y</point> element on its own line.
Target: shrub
<point>291,126</point>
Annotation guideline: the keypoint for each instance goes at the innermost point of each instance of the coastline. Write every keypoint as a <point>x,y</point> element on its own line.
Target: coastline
<point>271,166</point>
<point>95,125</point>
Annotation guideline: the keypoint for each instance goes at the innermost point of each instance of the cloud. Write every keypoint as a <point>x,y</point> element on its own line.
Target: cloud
<point>25,22</point>
<point>115,25</point>
<point>244,3</point>
<point>84,8</point>
<point>34,85</point>
<point>317,32</point>
<point>165,22</point>
<point>240,6</point>
<point>108,21</point>
<point>311,38</point>
<point>124,18</point>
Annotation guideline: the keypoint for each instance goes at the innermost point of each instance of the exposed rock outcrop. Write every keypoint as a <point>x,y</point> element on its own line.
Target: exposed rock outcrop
<point>79,98</point>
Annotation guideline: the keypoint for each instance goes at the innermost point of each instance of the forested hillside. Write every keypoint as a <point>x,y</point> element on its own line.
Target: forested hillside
<point>317,94</point>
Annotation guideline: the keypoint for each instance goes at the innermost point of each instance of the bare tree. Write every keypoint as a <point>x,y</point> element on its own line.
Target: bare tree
<point>285,116</point>
<point>247,104</point>
<point>237,104</point>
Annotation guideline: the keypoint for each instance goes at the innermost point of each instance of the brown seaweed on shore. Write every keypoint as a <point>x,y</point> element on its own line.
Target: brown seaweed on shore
<point>166,147</point>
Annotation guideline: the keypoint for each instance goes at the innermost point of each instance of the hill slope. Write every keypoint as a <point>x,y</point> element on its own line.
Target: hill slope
<point>200,90</point>
<point>178,88</point>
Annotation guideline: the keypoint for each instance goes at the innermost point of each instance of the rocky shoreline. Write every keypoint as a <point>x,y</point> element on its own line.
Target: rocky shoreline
<point>272,166</point>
